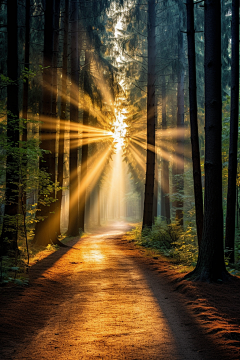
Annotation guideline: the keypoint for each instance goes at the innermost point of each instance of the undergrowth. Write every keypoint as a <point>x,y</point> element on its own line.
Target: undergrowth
<point>170,240</point>
<point>177,244</point>
<point>14,270</point>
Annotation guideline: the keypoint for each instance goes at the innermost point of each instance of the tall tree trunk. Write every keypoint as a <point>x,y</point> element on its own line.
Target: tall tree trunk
<point>155,198</point>
<point>57,204</point>
<point>26,67</point>
<point>24,160</point>
<point>83,184</point>
<point>151,118</point>
<point>210,265</point>
<point>9,236</point>
<point>63,111</point>
<point>45,231</point>
<point>180,125</point>
<point>197,181</point>
<point>165,202</point>
<point>73,226</point>
<point>232,164</point>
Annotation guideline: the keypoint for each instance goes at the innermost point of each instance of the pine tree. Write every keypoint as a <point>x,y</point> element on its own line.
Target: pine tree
<point>73,226</point>
<point>45,230</point>
<point>232,165</point>
<point>194,119</point>
<point>210,265</point>
<point>9,235</point>
<point>151,118</point>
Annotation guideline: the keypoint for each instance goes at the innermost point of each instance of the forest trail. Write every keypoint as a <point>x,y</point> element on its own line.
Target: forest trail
<point>98,300</point>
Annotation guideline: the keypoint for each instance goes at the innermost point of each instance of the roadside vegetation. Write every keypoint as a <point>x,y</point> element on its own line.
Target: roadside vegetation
<point>177,244</point>
<point>15,270</point>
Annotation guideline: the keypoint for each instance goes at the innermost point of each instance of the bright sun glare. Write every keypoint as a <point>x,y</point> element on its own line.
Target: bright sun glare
<point>119,131</point>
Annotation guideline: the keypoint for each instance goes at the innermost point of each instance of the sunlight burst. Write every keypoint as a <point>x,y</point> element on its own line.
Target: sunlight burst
<point>119,131</point>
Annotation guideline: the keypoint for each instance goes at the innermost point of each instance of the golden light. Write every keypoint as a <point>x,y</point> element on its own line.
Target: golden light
<point>119,131</point>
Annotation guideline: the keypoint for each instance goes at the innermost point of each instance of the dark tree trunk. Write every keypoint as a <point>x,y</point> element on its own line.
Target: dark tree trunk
<point>73,226</point>
<point>232,164</point>
<point>165,202</point>
<point>155,198</point>
<point>63,112</point>
<point>83,183</point>
<point>45,231</point>
<point>9,234</point>
<point>26,66</point>
<point>194,120</point>
<point>210,265</point>
<point>151,118</point>
<point>180,124</point>
<point>57,204</point>
<point>23,195</point>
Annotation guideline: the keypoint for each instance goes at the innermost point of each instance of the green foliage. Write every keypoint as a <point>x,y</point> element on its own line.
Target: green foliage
<point>52,247</point>
<point>171,240</point>
<point>12,271</point>
<point>25,158</point>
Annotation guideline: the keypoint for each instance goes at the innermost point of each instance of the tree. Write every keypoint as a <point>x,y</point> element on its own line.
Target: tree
<point>9,234</point>
<point>26,67</point>
<point>63,111</point>
<point>151,118</point>
<point>179,166</point>
<point>57,204</point>
<point>194,120</point>
<point>232,164</point>
<point>210,265</point>
<point>45,230</point>
<point>83,185</point>
<point>73,226</point>
<point>165,203</point>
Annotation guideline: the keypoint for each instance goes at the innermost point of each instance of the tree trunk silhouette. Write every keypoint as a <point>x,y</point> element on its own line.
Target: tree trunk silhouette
<point>73,226</point>
<point>63,112</point>
<point>83,183</point>
<point>57,204</point>
<point>233,146</point>
<point>45,230</point>
<point>26,67</point>
<point>180,124</point>
<point>9,235</point>
<point>151,118</point>
<point>197,181</point>
<point>165,202</point>
<point>210,265</point>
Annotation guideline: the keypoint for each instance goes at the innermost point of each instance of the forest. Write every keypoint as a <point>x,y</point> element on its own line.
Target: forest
<point>121,110</point>
<point>119,179</point>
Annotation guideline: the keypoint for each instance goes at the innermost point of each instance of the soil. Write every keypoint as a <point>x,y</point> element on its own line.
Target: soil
<point>103,298</point>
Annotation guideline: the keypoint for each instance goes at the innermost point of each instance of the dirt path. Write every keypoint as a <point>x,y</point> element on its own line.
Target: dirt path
<point>98,300</point>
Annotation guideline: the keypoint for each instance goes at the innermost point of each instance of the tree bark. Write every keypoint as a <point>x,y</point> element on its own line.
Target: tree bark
<point>45,231</point>
<point>63,112</point>
<point>155,198</point>
<point>232,164</point>
<point>210,265</point>
<point>57,204</point>
<point>73,226</point>
<point>9,235</point>
<point>151,118</point>
<point>180,125</point>
<point>83,184</point>
<point>26,67</point>
<point>197,181</point>
<point>165,202</point>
